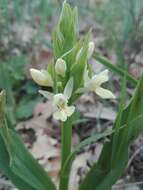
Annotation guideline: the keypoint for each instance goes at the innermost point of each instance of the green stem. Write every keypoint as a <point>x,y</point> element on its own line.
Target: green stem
<point>66,150</point>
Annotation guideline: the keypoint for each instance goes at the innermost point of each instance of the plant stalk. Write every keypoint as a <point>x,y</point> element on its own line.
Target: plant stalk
<point>65,152</point>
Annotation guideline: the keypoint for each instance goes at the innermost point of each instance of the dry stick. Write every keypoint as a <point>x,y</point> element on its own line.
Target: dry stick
<point>127,184</point>
<point>129,162</point>
<point>133,156</point>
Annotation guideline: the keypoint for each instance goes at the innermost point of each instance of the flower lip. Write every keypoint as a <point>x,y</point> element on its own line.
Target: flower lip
<point>101,77</point>
<point>63,111</point>
<point>60,101</point>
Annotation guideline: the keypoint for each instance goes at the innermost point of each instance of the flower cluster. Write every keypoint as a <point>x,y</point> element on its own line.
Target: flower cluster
<point>71,75</point>
<point>61,100</point>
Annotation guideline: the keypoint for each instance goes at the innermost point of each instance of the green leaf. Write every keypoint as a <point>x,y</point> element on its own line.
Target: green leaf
<point>116,127</point>
<point>20,164</point>
<point>4,156</point>
<point>104,173</point>
<point>135,106</point>
<point>5,168</point>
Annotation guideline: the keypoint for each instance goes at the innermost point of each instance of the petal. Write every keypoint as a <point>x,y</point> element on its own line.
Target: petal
<point>104,93</point>
<point>60,115</point>
<point>69,110</point>
<point>48,77</point>
<point>46,94</point>
<point>57,115</point>
<point>37,76</point>
<point>100,78</point>
<point>68,88</point>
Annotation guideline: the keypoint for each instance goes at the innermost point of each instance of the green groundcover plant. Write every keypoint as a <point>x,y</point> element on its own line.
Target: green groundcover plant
<point>68,77</point>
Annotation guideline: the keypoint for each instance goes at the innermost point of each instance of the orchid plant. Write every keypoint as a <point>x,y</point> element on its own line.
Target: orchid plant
<point>67,77</point>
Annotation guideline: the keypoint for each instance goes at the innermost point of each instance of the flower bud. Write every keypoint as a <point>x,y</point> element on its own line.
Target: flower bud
<point>91,47</point>
<point>60,67</point>
<point>41,77</point>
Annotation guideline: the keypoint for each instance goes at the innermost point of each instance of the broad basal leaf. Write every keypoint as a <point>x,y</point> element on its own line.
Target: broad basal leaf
<point>16,161</point>
<point>5,168</point>
<point>23,164</point>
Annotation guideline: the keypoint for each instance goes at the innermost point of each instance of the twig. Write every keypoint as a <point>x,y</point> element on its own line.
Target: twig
<point>133,156</point>
<point>127,184</point>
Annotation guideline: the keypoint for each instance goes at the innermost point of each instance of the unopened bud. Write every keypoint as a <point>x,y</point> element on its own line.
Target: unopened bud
<point>41,77</point>
<point>60,67</point>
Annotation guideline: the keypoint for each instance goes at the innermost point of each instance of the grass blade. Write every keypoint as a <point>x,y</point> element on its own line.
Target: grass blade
<point>104,173</point>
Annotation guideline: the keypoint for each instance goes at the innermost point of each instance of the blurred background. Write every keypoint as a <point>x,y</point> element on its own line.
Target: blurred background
<point>25,41</point>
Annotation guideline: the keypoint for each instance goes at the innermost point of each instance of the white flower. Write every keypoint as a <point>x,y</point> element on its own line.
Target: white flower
<point>94,83</point>
<point>60,102</point>
<point>60,67</point>
<point>41,77</point>
<point>91,47</point>
<point>63,110</point>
